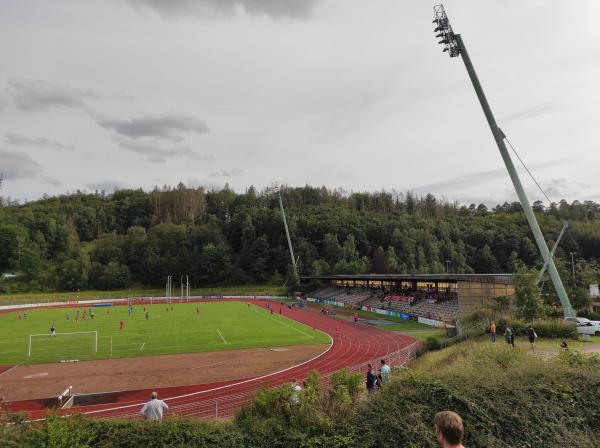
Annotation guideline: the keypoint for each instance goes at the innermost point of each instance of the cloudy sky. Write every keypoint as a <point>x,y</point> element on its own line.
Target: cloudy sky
<point>98,94</point>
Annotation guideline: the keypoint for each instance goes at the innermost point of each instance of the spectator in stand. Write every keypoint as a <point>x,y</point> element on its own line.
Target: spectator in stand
<point>449,429</point>
<point>371,379</point>
<point>153,410</point>
<point>493,332</point>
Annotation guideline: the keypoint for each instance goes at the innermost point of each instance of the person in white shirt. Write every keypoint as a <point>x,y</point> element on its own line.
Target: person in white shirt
<point>297,388</point>
<point>153,410</point>
<point>385,372</point>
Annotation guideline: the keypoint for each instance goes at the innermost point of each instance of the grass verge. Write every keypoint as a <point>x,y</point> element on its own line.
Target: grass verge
<point>45,297</point>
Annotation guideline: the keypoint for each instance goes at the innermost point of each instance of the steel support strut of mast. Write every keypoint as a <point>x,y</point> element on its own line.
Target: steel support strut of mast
<point>560,235</point>
<point>454,45</point>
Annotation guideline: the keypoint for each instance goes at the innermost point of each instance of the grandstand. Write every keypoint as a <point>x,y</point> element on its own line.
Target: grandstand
<point>437,296</point>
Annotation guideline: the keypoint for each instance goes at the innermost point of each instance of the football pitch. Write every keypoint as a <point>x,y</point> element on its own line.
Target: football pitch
<point>176,328</point>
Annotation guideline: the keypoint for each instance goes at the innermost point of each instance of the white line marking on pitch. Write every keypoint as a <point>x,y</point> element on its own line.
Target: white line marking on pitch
<point>289,326</point>
<point>142,347</point>
<point>221,334</point>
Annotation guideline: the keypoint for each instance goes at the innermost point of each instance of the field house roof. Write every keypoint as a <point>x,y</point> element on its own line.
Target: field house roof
<point>484,278</point>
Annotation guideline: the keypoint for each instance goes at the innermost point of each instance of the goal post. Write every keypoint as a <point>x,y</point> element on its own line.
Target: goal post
<point>57,335</point>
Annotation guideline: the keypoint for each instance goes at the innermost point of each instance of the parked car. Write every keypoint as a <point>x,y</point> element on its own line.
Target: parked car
<point>589,328</point>
<point>578,320</point>
<point>585,326</point>
<point>582,320</point>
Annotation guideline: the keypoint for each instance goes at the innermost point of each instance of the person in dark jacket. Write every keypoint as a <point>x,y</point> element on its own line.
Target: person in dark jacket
<point>371,379</point>
<point>531,334</point>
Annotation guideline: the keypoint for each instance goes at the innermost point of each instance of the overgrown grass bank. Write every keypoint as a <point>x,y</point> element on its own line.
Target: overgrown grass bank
<point>507,398</point>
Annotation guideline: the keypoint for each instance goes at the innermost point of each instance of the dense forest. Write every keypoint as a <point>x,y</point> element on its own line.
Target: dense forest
<point>107,241</point>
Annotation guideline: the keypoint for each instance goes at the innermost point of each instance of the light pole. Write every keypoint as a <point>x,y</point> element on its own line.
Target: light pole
<point>447,266</point>
<point>573,266</point>
<point>454,46</point>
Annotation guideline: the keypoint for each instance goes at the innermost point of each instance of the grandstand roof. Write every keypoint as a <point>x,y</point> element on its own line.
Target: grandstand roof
<point>484,278</point>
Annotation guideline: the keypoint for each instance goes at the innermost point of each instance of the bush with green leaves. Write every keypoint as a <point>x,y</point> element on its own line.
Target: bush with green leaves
<point>505,397</point>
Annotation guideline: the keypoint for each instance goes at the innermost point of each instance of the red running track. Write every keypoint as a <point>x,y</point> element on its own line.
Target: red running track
<point>354,344</point>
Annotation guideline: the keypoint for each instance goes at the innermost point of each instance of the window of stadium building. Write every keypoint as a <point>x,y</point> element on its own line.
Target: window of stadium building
<point>424,286</point>
<point>345,283</point>
<point>446,286</point>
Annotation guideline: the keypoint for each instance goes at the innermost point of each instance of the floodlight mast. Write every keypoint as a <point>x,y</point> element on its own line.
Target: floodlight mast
<point>287,233</point>
<point>454,45</point>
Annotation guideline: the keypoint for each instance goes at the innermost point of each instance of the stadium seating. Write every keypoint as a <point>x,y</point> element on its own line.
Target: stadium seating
<point>347,296</point>
<point>442,306</point>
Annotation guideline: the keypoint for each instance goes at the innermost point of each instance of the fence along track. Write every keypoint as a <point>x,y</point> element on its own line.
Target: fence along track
<point>227,405</point>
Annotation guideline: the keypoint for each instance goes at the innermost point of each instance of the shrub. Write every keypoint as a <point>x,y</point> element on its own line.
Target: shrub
<point>432,343</point>
<point>352,382</point>
<point>505,397</point>
<point>577,358</point>
<point>545,329</point>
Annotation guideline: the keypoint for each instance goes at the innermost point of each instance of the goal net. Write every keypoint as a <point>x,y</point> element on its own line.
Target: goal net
<point>63,346</point>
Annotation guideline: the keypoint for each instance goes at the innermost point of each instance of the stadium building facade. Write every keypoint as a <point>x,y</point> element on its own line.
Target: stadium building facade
<point>468,291</point>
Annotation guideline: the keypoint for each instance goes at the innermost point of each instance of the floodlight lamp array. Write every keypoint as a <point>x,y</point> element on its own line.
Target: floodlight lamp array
<point>444,31</point>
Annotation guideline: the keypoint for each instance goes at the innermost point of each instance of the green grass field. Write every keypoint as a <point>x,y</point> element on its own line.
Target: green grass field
<point>217,326</point>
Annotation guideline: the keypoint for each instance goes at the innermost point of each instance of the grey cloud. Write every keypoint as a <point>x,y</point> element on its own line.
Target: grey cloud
<point>465,180</point>
<point>172,9</point>
<point>157,153</point>
<point>168,126</point>
<point>526,113</point>
<point>227,172</point>
<point>53,181</point>
<point>471,179</point>
<point>16,139</point>
<point>15,165</point>
<point>108,185</point>
<point>560,188</point>
<point>37,94</point>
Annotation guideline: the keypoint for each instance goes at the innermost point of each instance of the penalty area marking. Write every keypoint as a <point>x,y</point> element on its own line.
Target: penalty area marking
<point>142,347</point>
<point>221,334</point>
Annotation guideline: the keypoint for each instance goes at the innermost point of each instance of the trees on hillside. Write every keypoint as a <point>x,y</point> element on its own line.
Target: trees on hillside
<point>104,241</point>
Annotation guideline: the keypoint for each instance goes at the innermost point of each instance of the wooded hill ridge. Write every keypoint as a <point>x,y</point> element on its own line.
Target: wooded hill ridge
<point>106,241</point>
